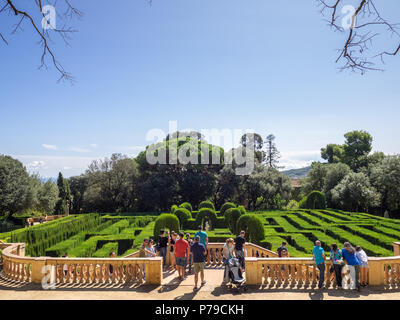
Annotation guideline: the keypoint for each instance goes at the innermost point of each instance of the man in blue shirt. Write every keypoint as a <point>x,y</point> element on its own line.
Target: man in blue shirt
<point>319,258</point>
<point>199,252</point>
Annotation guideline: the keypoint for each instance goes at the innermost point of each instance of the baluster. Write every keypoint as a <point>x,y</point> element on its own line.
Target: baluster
<point>122,273</point>
<point>314,275</point>
<point>327,275</point>
<point>28,272</point>
<point>300,274</point>
<point>73,270</point>
<point>279,271</point>
<point>214,258</point>
<point>292,274</point>
<point>86,273</point>
<point>397,273</point>
<point>68,276</point>
<point>106,271</point>
<point>23,272</point>
<point>140,272</point>
<point>80,273</point>
<point>135,273</point>
<point>307,279</point>
<point>392,274</point>
<point>128,272</point>
<point>265,274</point>
<point>386,277</point>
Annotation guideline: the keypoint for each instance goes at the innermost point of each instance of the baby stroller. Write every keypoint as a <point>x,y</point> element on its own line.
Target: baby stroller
<point>235,275</point>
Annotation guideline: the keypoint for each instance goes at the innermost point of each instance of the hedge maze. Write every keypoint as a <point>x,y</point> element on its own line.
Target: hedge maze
<point>97,235</point>
<point>300,228</point>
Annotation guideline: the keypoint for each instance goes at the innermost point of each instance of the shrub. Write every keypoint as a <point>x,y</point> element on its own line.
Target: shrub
<point>231,217</point>
<point>206,213</point>
<point>253,227</point>
<point>242,209</point>
<point>187,206</point>
<point>303,203</point>
<point>226,206</point>
<point>292,205</point>
<point>166,221</point>
<point>206,204</point>
<point>183,215</point>
<point>316,200</point>
<point>173,208</point>
<point>105,251</point>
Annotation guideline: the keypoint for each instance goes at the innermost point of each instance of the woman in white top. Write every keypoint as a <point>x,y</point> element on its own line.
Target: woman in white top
<point>363,258</point>
<point>150,247</point>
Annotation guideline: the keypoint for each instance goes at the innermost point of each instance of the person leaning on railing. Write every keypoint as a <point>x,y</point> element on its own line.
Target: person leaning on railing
<point>349,254</point>
<point>363,259</point>
<point>338,263</point>
<point>319,258</point>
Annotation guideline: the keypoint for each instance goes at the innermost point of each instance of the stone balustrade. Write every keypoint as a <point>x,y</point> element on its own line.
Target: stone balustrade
<point>263,267</point>
<point>19,268</point>
<point>284,271</point>
<point>303,271</point>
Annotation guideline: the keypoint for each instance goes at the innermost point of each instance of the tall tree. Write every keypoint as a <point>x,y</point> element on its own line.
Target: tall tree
<point>14,185</point>
<point>272,153</point>
<point>64,194</point>
<point>333,153</point>
<point>47,197</point>
<point>385,177</point>
<point>355,193</point>
<point>315,179</point>
<point>357,146</point>
<point>334,175</point>
<point>254,140</point>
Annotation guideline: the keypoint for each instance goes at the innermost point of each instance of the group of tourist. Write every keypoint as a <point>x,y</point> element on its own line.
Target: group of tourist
<point>185,253</point>
<point>356,263</point>
<point>355,258</point>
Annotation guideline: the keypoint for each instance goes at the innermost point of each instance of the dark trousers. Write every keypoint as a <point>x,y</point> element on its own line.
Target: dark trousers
<point>357,267</point>
<point>321,268</point>
<point>240,256</point>
<point>338,274</point>
<point>163,254</point>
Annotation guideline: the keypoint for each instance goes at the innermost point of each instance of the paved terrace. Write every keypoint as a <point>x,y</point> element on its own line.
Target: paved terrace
<point>173,289</point>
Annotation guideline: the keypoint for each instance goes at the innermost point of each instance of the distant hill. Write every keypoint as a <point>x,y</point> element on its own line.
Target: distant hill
<point>297,173</point>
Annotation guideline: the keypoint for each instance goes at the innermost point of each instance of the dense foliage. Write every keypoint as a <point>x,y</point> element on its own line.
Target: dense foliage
<point>253,227</point>
<point>168,222</point>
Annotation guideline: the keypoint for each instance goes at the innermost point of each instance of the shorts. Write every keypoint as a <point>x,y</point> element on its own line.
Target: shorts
<point>181,262</point>
<point>198,266</point>
<point>364,265</point>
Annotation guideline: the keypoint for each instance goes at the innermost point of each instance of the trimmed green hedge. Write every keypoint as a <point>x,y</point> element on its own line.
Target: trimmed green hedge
<point>106,250</point>
<point>187,206</point>
<point>207,204</point>
<point>183,215</point>
<point>226,206</point>
<point>204,214</point>
<point>166,221</point>
<point>253,226</point>
<point>232,215</point>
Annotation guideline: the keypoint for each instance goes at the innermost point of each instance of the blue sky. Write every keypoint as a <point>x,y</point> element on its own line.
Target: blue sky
<point>206,64</point>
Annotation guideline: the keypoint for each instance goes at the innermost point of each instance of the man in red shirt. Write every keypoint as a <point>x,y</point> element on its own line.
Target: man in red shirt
<point>181,253</point>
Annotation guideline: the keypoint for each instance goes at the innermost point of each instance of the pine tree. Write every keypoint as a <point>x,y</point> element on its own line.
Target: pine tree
<point>64,194</point>
<point>272,152</point>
